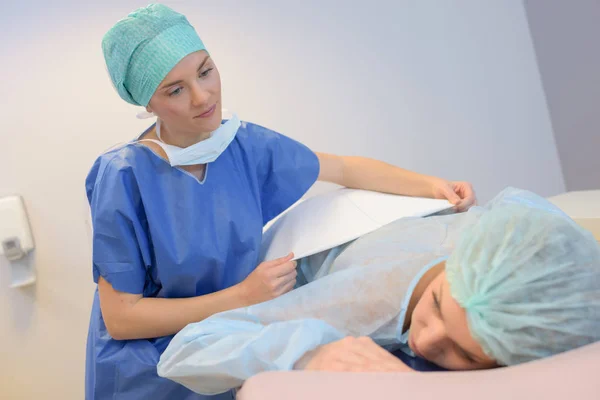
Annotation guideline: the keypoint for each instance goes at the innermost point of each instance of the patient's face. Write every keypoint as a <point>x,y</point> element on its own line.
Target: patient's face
<point>439,331</point>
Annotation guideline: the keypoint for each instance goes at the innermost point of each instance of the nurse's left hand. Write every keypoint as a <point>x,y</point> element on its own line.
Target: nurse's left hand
<point>351,355</point>
<point>460,194</point>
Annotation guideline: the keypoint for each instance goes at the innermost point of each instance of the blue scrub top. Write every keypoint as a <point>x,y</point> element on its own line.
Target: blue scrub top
<point>160,232</point>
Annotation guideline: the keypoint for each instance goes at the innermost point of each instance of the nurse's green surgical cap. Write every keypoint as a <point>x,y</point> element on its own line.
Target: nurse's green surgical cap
<point>142,48</point>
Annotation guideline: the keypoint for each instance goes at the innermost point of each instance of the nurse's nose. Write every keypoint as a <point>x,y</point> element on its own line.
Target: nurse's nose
<point>199,96</point>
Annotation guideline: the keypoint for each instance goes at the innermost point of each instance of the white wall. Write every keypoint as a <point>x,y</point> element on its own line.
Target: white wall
<point>565,35</point>
<point>450,89</point>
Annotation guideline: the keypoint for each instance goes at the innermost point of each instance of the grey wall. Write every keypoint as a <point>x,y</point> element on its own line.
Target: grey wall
<point>566,37</point>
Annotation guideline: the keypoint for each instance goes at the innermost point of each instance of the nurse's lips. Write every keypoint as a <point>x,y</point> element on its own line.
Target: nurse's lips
<point>208,113</point>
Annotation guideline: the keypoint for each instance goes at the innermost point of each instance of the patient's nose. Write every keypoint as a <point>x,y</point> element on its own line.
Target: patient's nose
<point>432,341</point>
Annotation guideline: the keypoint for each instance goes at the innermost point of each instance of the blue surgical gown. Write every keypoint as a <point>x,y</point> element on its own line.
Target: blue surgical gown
<point>160,232</point>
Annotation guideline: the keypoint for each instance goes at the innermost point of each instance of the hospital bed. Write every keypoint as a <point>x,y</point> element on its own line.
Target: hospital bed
<point>571,375</point>
<point>574,374</point>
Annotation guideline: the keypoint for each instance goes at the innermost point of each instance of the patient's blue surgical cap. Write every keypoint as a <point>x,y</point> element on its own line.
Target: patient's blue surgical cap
<point>142,48</point>
<point>529,281</point>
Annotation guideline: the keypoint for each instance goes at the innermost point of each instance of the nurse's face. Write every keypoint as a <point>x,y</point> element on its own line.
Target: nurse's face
<point>439,331</point>
<point>188,100</point>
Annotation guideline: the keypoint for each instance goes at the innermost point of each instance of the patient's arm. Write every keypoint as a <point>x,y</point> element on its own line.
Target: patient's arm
<point>221,352</point>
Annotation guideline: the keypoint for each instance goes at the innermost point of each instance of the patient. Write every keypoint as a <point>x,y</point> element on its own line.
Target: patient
<point>511,282</point>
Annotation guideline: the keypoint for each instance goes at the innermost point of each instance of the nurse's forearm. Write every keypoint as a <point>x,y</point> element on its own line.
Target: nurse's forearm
<point>155,317</point>
<point>129,316</point>
<point>368,174</point>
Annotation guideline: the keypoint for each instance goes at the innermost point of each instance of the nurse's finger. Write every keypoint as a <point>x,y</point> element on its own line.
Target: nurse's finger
<point>284,269</point>
<point>460,206</point>
<point>466,203</point>
<point>279,261</point>
<point>287,287</point>
<point>285,279</point>
<point>451,195</point>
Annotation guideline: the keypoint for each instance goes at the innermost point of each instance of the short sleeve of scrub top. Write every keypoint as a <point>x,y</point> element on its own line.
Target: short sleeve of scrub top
<point>117,217</point>
<point>286,169</point>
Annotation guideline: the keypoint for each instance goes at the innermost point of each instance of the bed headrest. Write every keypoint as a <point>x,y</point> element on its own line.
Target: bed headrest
<point>583,207</point>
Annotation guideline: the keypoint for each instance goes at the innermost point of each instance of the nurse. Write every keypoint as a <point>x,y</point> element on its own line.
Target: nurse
<point>178,213</point>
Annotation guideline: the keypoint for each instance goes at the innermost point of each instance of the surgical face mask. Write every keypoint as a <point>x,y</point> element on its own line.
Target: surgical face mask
<point>203,152</point>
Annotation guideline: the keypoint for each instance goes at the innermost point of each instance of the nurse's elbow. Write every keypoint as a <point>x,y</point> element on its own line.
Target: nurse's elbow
<point>116,308</point>
<point>115,330</point>
<point>120,326</point>
<point>116,325</point>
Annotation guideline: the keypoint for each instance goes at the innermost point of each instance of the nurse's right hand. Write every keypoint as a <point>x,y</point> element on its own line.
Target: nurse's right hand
<point>269,280</point>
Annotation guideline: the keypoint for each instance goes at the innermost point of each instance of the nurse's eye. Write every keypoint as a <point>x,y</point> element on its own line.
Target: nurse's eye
<point>175,92</point>
<point>205,73</point>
